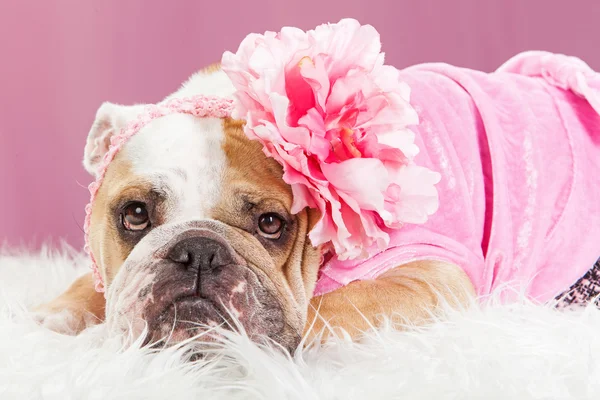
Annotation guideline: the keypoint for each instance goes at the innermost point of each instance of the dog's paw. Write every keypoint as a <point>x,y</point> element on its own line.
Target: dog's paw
<point>66,321</point>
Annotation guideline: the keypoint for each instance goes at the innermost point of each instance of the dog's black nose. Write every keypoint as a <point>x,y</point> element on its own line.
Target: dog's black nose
<point>201,254</point>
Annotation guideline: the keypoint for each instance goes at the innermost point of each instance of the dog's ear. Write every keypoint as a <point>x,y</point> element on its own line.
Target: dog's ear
<point>110,119</point>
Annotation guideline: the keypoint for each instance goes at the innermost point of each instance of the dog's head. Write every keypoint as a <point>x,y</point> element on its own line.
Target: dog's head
<point>192,227</point>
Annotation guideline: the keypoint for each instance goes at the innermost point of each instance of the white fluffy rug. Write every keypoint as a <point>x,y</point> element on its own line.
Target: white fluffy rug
<point>518,352</point>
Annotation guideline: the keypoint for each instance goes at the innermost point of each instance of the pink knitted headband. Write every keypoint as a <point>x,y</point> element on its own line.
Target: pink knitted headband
<point>199,106</point>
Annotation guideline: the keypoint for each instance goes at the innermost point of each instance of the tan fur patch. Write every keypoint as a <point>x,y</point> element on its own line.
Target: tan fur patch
<point>407,294</point>
<point>257,177</point>
<point>84,305</point>
<point>211,68</point>
<point>120,183</point>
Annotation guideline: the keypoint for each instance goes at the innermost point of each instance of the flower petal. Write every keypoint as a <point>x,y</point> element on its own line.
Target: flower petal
<point>364,179</point>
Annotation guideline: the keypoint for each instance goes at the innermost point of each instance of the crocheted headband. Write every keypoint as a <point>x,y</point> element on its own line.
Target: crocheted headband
<point>199,106</point>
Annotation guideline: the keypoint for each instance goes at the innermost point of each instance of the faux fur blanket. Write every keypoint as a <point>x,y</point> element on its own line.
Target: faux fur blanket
<point>495,352</point>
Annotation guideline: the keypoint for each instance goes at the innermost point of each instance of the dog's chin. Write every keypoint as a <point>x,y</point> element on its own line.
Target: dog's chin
<point>233,299</point>
<point>185,318</point>
<point>193,318</point>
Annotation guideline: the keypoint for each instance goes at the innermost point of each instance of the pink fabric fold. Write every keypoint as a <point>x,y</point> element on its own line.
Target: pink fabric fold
<point>519,155</point>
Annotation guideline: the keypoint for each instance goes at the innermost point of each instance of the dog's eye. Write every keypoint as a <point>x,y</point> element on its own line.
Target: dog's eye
<point>135,217</point>
<point>270,225</point>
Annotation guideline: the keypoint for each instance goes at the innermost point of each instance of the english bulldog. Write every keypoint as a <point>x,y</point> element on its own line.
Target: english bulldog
<point>192,228</point>
<point>193,225</point>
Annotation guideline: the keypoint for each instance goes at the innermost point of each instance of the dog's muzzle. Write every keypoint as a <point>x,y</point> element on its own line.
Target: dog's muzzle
<point>193,283</point>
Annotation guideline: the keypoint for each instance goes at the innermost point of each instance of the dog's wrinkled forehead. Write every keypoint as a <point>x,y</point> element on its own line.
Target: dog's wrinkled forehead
<point>182,157</point>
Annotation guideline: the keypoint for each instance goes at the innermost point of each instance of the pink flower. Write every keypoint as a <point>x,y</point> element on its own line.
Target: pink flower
<point>325,106</point>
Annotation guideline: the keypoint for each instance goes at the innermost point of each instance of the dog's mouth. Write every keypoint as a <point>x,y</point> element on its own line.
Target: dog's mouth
<point>188,308</point>
<point>229,299</point>
<point>186,317</point>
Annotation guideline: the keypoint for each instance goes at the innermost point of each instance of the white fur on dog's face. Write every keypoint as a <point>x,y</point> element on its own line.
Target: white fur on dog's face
<point>205,186</point>
<point>183,156</point>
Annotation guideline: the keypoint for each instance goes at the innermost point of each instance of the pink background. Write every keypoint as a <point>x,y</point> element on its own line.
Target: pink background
<point>60,59</point>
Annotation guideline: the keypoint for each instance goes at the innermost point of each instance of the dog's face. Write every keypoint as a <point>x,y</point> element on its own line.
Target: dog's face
<point>192,228</point>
